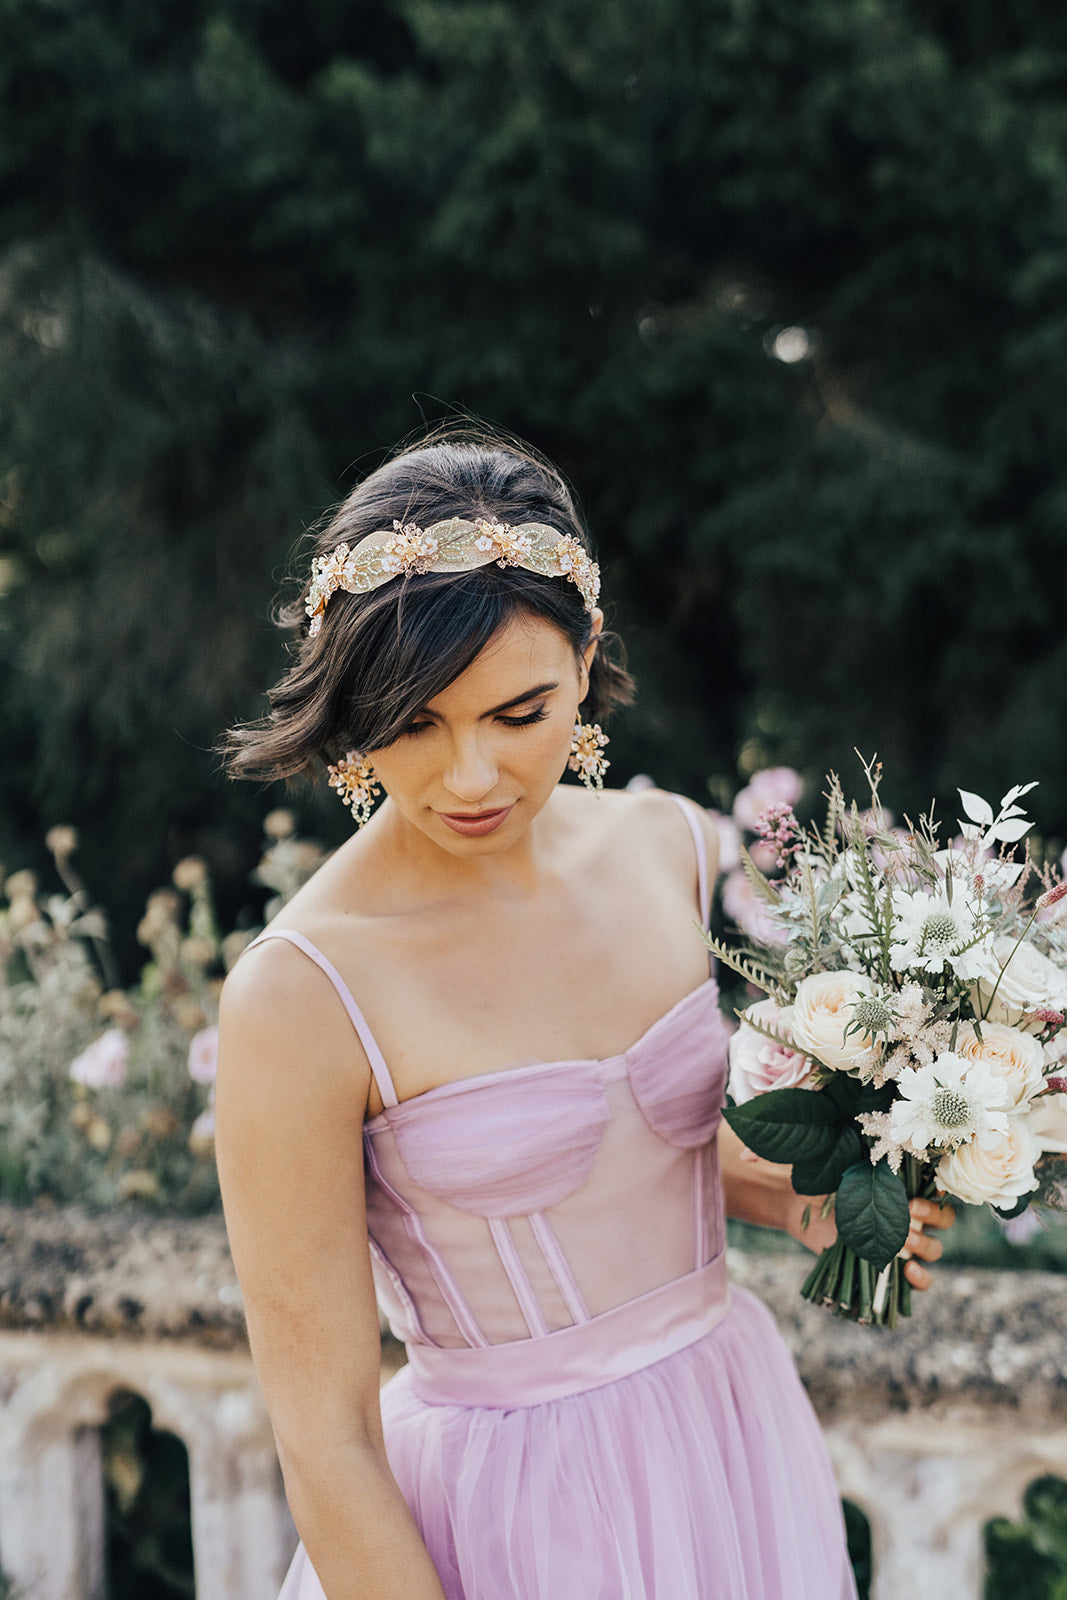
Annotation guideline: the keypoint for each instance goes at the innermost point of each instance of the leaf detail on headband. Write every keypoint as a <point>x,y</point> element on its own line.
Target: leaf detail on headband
<point>455,545</point>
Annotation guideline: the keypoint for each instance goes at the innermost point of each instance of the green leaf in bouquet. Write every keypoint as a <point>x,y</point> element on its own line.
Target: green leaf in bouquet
<point>803,1126</point>
<point>872,1212</point>
<point>872,1099</point>
<point>1022,1204</point>
<point>762,885</point>
<point>823,1176</point>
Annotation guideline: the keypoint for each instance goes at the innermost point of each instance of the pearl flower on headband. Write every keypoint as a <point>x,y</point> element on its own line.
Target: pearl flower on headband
<point>455,545</point>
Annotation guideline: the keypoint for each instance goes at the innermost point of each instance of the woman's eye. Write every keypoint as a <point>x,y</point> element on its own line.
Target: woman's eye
<point>524,722</point>
<point>414,728</point>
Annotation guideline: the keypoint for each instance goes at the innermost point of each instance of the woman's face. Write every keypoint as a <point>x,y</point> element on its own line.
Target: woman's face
<point>479,761</point>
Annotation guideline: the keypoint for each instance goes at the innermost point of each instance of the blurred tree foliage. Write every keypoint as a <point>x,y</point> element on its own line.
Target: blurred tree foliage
<point>244,244</point>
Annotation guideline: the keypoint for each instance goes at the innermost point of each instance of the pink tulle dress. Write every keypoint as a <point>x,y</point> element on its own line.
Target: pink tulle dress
<point>589,1410</point>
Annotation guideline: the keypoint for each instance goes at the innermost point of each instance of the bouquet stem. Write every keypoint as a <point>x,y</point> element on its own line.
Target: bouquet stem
<point>851,1287</point>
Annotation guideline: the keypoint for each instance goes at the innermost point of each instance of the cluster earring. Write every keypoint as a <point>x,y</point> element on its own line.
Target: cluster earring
<point>587,741</point>
<point>353,778</point>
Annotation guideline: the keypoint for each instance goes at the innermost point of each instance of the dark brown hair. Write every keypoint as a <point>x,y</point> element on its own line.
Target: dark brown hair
<point>381,657</point>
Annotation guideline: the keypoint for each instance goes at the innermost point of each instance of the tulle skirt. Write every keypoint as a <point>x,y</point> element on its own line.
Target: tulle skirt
<point>702,1477</point>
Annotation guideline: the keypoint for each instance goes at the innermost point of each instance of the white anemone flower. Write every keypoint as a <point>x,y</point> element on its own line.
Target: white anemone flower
<point>930,932</point>
<point>950,1102</point>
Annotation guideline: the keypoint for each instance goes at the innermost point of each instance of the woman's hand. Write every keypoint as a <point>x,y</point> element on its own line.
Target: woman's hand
<point>919,1244</point>
<point>918,1247</point>
<point>760,1191</point>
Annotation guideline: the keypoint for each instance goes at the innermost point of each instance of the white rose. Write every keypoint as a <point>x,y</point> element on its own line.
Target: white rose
<point>757,1063</point>
<point>822,1011</point>
<point>1010,1054</point>
<point>1047,1121</point>
<point>998,1175</point>
<point>1023,978</point>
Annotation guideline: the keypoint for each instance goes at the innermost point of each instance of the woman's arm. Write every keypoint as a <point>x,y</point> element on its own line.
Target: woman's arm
<point>290,1099</point>
<point>760,1191</point>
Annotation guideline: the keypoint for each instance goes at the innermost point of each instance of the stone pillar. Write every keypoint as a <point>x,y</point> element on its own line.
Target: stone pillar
<point>929,1482</point>
<point>52,1512</point>
<point>927,1538</point>
<point>243,1536</point>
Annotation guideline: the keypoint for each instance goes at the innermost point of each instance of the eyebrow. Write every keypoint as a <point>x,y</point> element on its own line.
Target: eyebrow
<point>508,705</point>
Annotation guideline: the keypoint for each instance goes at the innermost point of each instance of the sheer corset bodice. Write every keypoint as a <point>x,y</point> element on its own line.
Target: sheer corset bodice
<point>519,1203</point>
<point>508,1206</point>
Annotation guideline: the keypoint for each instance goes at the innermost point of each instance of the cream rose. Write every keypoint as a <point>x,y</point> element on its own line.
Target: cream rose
<point>1010,1054</point>
<point>822,1011</point>
<point>757,1063</point>
<point>1047,1121</point>
<point>997,1176</point>
<point>1024,980</point>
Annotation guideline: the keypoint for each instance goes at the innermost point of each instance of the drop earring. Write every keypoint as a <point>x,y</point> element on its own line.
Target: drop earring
<point>587,741</point>
<point>353,778</point>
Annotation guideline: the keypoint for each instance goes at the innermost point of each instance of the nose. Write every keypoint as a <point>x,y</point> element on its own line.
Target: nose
<point>471,773</point>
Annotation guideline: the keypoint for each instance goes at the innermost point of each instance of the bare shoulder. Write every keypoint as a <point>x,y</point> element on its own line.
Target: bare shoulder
<point>651,822</point>
<point>283,1031</point>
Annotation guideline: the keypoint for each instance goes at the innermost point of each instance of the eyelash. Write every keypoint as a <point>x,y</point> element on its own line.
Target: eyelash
<point>524,722</point>
<point>509,722</point>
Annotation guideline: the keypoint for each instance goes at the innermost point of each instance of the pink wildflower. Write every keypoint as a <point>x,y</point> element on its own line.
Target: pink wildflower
<point>103,1064</point>
<point>1052,896</point>
<point>203,1055</point>
<point>777,826</point>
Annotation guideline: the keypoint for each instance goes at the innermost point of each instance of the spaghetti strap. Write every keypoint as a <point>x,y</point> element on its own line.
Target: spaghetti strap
<point>377,1061</point>
<point>690,813</point>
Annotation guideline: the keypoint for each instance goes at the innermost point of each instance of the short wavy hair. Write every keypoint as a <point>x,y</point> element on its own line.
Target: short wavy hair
<point>381,657</point>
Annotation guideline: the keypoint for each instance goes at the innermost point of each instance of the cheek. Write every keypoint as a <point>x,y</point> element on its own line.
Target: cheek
<point>404,766</point>
<point>551,745</point>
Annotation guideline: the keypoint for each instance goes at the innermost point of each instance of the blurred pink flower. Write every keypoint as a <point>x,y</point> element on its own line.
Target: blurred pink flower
<point>729,841</point>
<point>751,914</point>
<point>103,1064</point>
<point>1023,1228</point>
<point>203,1055</point>
<point>773,786</point>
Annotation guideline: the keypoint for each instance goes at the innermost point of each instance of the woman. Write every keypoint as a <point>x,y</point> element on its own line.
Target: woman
<point>495,987</point>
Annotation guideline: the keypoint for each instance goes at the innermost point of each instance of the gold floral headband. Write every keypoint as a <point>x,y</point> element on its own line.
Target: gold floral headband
<point>452,546</point>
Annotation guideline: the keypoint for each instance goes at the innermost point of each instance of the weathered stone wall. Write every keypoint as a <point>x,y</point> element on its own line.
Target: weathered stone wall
<point>933,1429</point>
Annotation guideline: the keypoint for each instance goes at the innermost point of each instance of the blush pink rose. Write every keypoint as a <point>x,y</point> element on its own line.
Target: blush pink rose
<point>103,1064</point>
<point>204,1055</point>
<point>757,1063</point>
<point>774,786</point>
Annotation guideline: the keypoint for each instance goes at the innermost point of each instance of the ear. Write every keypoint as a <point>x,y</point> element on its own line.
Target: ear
<point>596,623</point>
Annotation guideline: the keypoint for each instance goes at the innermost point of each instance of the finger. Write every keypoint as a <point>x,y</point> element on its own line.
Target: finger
<point>920,1244</point>
<point>917,1275</point>
<point>931,1215</point>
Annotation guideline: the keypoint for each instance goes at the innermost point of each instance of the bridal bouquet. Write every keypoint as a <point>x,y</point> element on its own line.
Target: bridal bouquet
<point>912,1040</point>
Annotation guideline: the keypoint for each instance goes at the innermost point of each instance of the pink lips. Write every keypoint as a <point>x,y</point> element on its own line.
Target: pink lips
<point>475,823</point>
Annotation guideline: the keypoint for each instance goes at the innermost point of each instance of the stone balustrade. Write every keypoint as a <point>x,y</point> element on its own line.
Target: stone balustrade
<point>933,1430</point>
